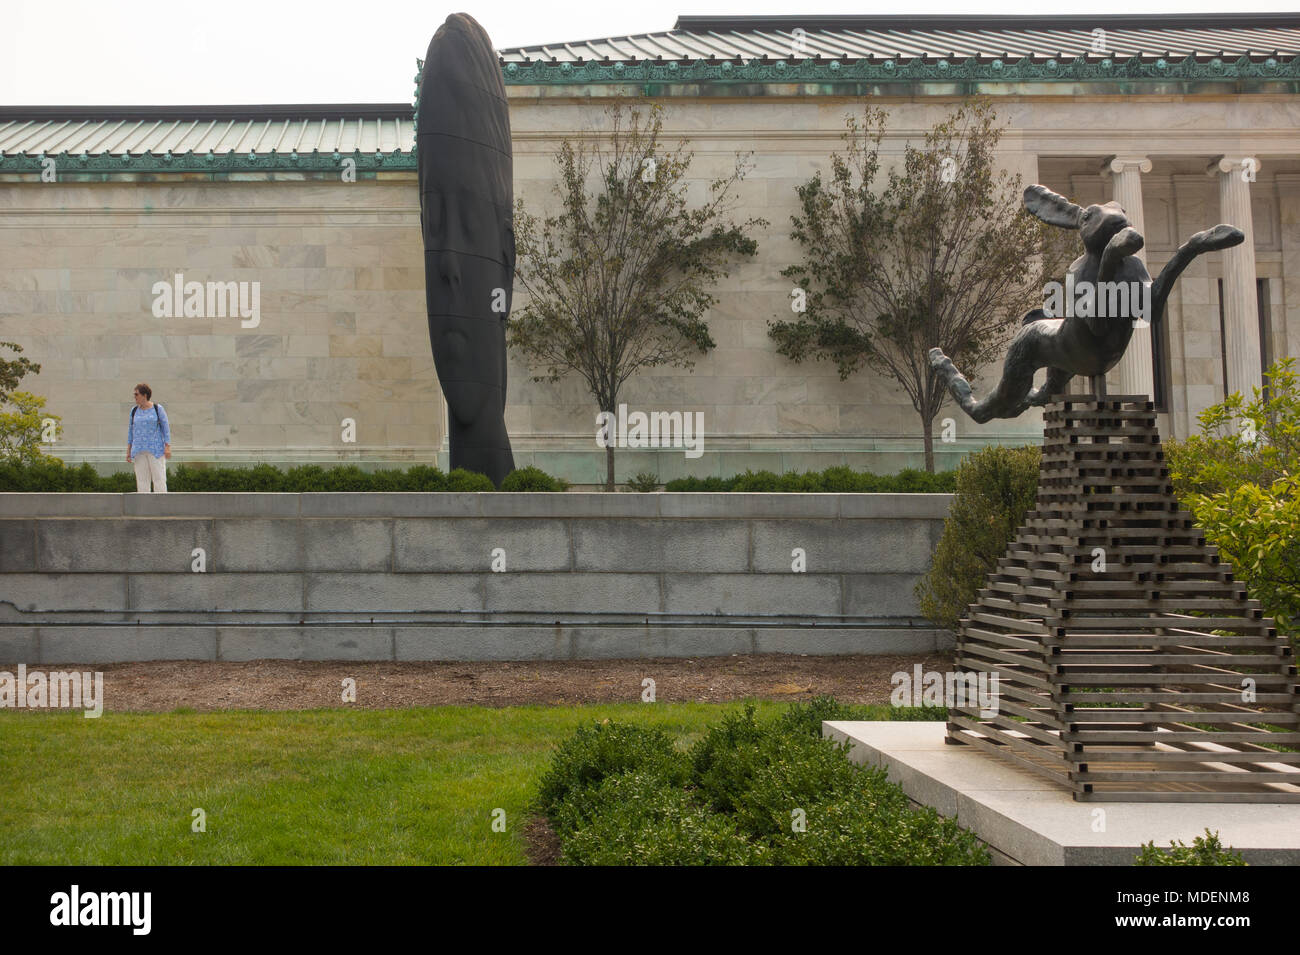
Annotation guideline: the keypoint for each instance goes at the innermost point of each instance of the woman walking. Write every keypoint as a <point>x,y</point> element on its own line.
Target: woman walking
<point>148,441</point>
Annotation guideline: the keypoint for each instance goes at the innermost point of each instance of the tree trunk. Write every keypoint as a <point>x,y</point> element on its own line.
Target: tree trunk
<point>609,467</point>
<point>927,430</point>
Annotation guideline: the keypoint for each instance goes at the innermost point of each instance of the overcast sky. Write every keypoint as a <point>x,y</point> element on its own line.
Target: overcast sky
<point>137,52</point>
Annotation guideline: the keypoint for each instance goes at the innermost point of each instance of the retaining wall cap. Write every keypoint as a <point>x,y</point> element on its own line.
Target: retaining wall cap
<point>586,504</point>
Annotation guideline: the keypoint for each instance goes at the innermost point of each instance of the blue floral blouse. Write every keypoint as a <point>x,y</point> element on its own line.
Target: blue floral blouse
<point>149,431</point>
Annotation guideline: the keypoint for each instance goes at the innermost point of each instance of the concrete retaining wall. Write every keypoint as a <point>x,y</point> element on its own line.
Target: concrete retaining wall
<point>88,578</point>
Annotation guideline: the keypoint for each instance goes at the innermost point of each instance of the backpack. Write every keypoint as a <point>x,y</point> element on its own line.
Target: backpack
<point>158,417</point>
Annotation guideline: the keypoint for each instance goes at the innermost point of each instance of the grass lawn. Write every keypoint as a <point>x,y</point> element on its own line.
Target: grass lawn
<point>324,787</point>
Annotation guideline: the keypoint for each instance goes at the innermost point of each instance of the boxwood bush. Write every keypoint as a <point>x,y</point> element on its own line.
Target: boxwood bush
<point>749,792</point>
<point>566,794</point>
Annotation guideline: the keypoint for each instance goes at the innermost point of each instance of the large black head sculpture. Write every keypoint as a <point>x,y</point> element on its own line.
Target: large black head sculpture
<point>466,180</point>
<point>1088,340</point>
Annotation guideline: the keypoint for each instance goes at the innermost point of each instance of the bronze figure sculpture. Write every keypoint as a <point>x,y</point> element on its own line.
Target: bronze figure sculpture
<point>466,181</point>
<point>1088,344</point>
<point>1119,639</point>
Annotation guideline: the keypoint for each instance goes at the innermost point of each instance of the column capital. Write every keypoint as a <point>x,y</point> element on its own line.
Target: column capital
<point>1220,165</point>
<point>1118,164</point>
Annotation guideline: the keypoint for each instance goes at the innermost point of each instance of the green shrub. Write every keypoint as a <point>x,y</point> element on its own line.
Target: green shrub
<point>1240,478</point>
<point>838,479</point>
<point>49,474</point>
<point>1257,530</point>
<point>348,477</point>
<point>798,772</point>
<point>642,820</point>
<point>305,478</point>
<point>756,482</point>
<point>387,479</point>
<point>918,714</point>
<point>1204,850</point>
<point>598,751</point>
<point>532,479</point>
<point>424,477</point>
<point>845,480</point>
<point>792,482</point>
<point>461,480</point>
<point>994,488</point>
<point>872,826</point>
<point>806,718</point>
<point>261,478</point>
<point>726,758</point>
<point>1242,441</point>
<point>120,482</point>
<point>698,485</point>
<point>644,483</point>
<point>83,478</point>
<point>748,793</point>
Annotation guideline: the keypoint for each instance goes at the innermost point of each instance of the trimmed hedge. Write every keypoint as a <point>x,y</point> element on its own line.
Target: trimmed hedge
<point>52,475</point>
<point>48,476</point>
<point>748,793</point>
<point>832,480</point>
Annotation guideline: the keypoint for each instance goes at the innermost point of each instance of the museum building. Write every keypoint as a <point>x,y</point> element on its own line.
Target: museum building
<point>311,214</point>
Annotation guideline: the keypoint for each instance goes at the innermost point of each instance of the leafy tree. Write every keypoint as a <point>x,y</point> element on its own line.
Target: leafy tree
<point>21,420</point>
<point>12,372</point>
<point>21,429</point>
<point>618,280</point>
<point>943,255</point>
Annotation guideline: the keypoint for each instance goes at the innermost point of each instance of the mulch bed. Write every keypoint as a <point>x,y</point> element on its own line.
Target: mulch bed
<point>298,685</point>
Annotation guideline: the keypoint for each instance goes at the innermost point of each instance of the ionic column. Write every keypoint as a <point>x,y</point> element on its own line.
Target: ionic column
<point>1240,315</point>
<point>1134,371</point>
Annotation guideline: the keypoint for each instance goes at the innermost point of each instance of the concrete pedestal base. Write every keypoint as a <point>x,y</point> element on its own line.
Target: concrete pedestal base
<point>1029,820</point>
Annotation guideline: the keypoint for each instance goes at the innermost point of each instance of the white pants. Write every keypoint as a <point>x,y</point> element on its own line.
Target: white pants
<point>147,466</point>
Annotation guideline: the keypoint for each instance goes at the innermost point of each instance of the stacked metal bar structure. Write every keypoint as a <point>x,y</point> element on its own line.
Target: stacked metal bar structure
<point>1131,665</point>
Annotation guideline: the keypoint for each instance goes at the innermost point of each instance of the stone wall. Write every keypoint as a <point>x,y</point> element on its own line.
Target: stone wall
<point>342,330</point>
<point>92,578</point>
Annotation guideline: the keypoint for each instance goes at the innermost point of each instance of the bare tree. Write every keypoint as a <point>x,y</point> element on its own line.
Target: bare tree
<point>618,280</point>
<point>943,255</point>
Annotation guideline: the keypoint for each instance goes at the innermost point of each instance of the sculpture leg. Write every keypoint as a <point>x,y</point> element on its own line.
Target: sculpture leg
<point>1057,380</point>
<point>1011,397</point>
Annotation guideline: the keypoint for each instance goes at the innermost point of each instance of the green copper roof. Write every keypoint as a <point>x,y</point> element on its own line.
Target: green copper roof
<point>1045,69</point>
<point>718,56</point>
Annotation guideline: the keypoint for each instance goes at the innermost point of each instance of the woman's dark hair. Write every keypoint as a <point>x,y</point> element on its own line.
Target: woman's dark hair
<point>145,390</point>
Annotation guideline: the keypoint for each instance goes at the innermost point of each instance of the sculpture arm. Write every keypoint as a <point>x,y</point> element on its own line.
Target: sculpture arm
<point>1222,236</point>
